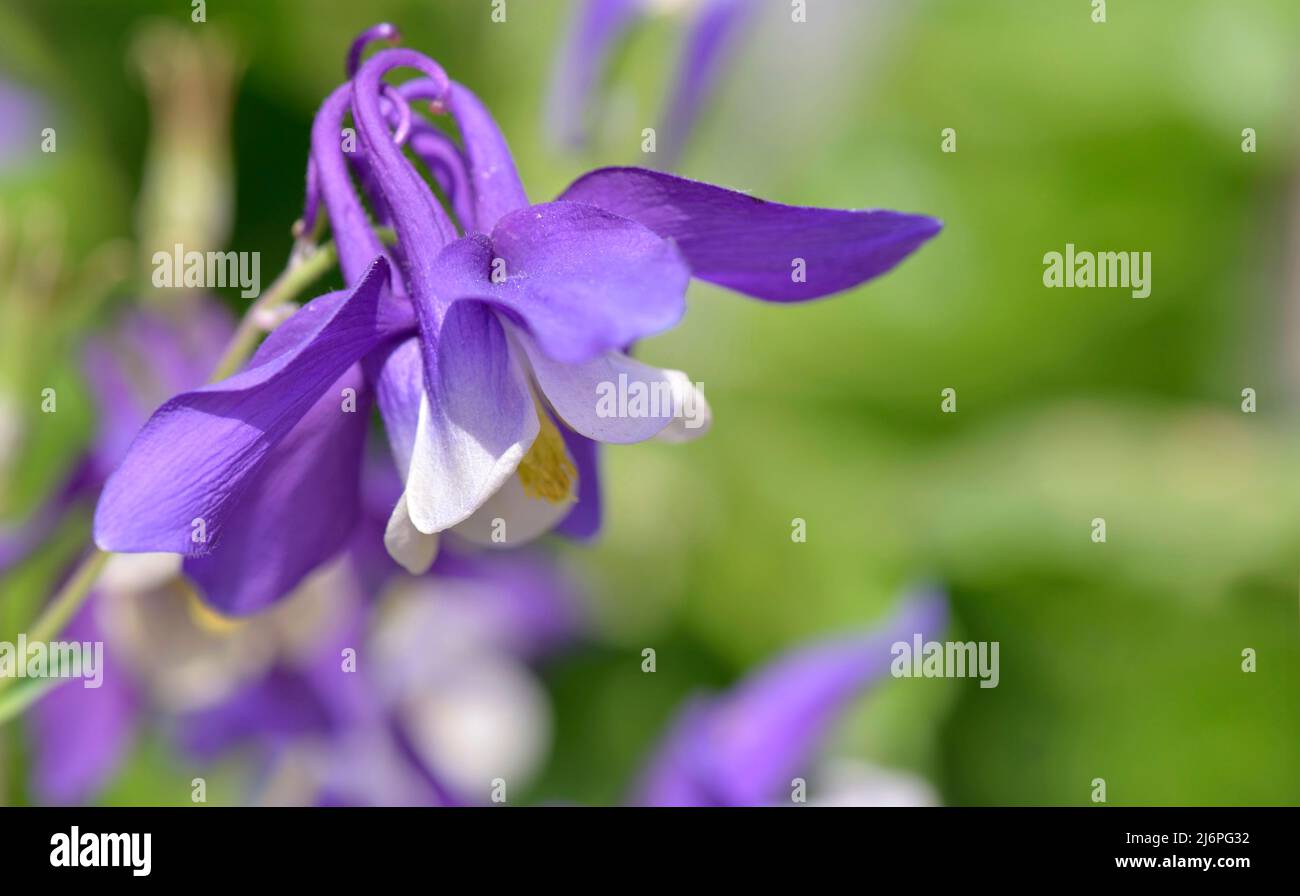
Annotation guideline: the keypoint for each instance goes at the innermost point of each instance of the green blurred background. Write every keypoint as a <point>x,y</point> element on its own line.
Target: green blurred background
<point>1119,660</point>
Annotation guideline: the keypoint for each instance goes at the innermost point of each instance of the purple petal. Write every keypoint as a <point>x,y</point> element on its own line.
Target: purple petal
<point>81,483</point>
<point>583,521</point>
<point>421,223</point>
<point>753,246</point>
<point>146,359</point>
<point>400,389</point>
<point>276,709</point>
<point>449,167</point>
<point>199,451</point>
<point>595,29</point>
<point>744,747</point>
<point>530,605</point>
<point>582,281</point>
<point>296,511</point>
<point>356,241</point>
<point>712,36</point>
<point>497,188</point>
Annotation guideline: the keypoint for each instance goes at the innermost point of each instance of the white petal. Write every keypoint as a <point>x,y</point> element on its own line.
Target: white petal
<point>523,517</point>
<point>490,720</point>
<point>410,547</point>
<point>459,462</point>
<point>695,419</point>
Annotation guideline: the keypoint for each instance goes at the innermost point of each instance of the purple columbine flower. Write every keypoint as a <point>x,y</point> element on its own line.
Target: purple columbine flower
<point>486,343</point>
<point>744,747</point>
<point>597,28</point>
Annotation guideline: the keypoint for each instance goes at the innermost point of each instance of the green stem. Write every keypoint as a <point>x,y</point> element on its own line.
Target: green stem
<point>14,703</point>
<point>298,276</point>
<point>55,616</point>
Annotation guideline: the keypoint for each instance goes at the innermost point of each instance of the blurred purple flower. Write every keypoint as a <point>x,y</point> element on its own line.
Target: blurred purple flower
<point>436,693</point>
<point>81,735</point>
<point>485,352</point>
<point>597,28</point>
<point>743,748</point>
<point>440,702</point>
<point>131,370</point>
<point>21,112</point>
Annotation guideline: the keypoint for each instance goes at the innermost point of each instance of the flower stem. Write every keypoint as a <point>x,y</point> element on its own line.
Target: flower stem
<point>56,616</point>
<point>301,273</point>
<point>13,704</point>
<point>69,598</point>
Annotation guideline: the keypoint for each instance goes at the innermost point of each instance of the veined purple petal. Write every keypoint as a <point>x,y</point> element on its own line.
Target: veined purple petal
<point>582,281</point>
<point>188,467</point>
<point>781,253</point>
<point>712,36</point>
<point>297,511</point>
<point>744,747</point>
<point>596,27</point>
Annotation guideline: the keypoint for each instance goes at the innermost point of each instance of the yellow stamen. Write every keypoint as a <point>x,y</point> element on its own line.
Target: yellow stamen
<point>546,471</point>
<point>207,618</point>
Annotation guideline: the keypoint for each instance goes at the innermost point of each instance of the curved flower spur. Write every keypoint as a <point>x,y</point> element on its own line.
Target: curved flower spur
<point>484,341</point>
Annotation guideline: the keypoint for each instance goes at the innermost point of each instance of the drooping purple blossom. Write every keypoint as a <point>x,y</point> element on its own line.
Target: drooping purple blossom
<point>484,341</point>
<point>744,747</point>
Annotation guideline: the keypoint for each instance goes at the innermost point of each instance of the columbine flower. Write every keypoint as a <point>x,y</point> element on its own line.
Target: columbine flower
<point>597,28</point>
<point>745,747</point>
<point>484,342</point>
